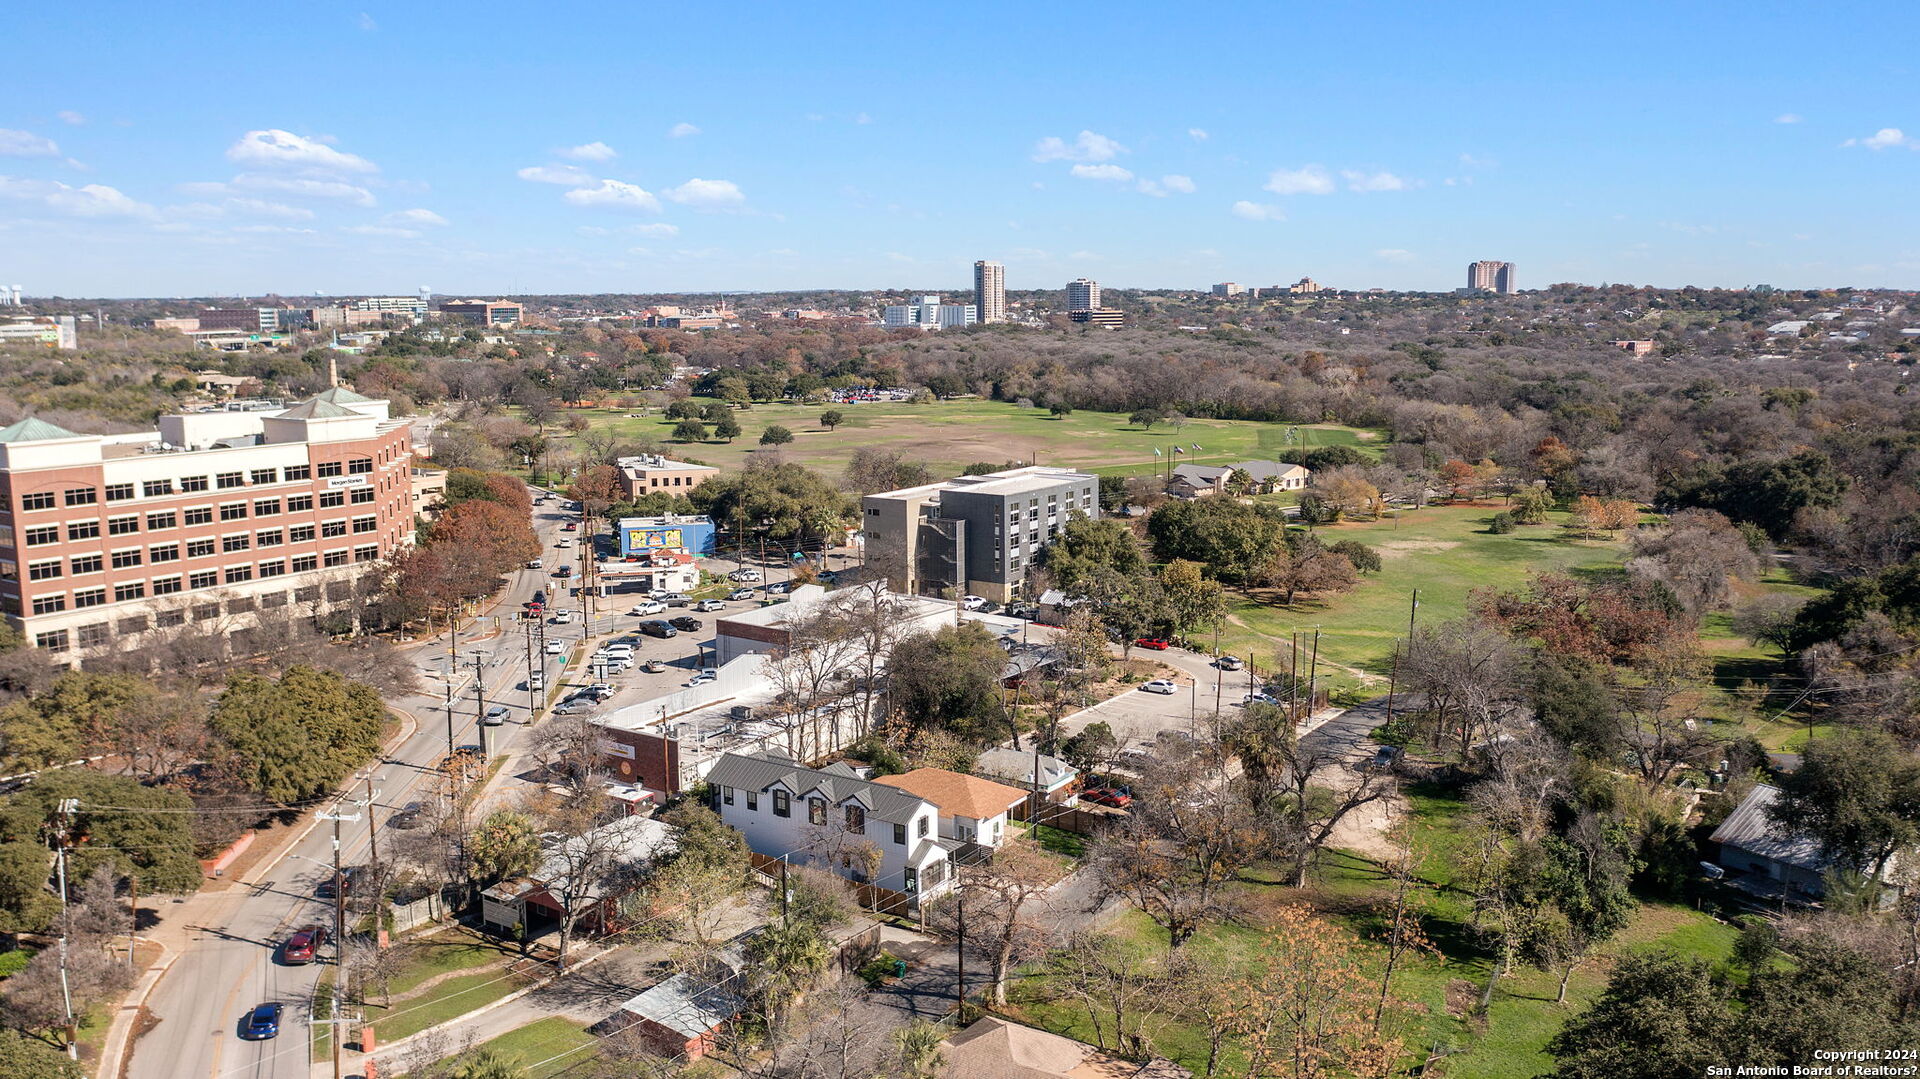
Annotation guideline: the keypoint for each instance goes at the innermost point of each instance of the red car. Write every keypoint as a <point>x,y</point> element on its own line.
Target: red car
<point>301,947</point>
<point>1158,644</point>
<point>1102,796</point>
<point>570,527</point>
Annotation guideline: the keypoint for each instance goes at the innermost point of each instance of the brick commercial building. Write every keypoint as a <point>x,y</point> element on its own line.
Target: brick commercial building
<point>650,472</point>
<point>215,521</point>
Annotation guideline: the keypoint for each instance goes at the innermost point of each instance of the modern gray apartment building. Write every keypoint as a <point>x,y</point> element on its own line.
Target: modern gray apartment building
<point>975,535</point>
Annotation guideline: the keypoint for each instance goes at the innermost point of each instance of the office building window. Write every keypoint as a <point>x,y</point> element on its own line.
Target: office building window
<point>276,568</point>
<point>38,500</point>
<point>156,488</point>
<point>230,544</point>
<point>305,562</point>
<point>266,507</point>
<point>331,529</point>
<point>89,597</point>
<point>336,558</point>
<point>126,559</point>
<point>782,804</point>
<point>198,515</point>
<point>299,472</point>
<point>80,530</point>
<point>230,479</point>
<point>266,475</point>
<point>51,642</point>
<point>233,511</point>
<point>362,495</point>
<point>43,535</point>
<point>120,526</point>
<point>205,578</point>
<point>86,563</point>
<point>49,604</point>
<point>267,537</point>
<point>204,611</point>
<point>369,553</point>
<point>164,519</point>
<point>309,594</point>
<point>124,592</point>
<point>43,571</point>
<point>193,483</point>
<point>364,524</point>
<point>199,548</point>
<point>272,599</point>
<point>329,468</point>
<point>236,574</point>
<point>330,499</point>
<point>137,624</point>
<point>300,534</point>
<point>119,492</point>
<point>166,586</point>
<point>360,466</point>
<point>82,496</point>
<point>300,504</point>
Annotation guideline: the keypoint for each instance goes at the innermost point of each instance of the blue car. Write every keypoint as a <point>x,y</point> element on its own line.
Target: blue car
<point>263,1022</point>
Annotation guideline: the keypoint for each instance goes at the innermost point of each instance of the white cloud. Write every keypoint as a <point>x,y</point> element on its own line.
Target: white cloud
<point>1177,182</point>
<point>1394,254</point>
<point>263,208</point>
<point>592,151</point>
<point>365,22</point>
<point>414,217</point>
<point>1472,162</point>
<point>1256,211</point>
<point>1102,172</point>
<point>1310,180</point>
<point>92,200</point>
<point>274,229</point>
<point>682,130</point>
<point>1373,181</point>
<point>26,144</point>
<point>312,189</point>
<point>863,118</point>
<point>68,116</point>
<point>1162,187</point>
<point>1087,146</point>
<point>1886,138</point>
<point>1198,134</point>
<point>658,228</point>
<point>274,148</point>
<point>593,230</point>
<point>382,230</point>
<point>706,194</point>
<point>556,174</point>
<point>1787,118</point>
<point>614,195</point>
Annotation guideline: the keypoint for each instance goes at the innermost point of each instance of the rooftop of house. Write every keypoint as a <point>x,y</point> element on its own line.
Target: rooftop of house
<point>1018,765</point>
<point>1750,828</point>
<point>956,794</point>
<point>993,1048</point>
<point>761,772</point>
<point>687,1005</point>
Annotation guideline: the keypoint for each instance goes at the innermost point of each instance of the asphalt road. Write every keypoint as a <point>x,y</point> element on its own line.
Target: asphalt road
<point>227,962</point>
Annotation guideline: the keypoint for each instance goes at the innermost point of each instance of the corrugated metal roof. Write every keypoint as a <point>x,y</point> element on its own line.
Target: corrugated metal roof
<point>1751,829</point>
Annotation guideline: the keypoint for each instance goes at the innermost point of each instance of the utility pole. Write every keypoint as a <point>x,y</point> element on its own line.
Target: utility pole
<point>449,686</point>
<point>337,1024</point>
<point>960,920</point>
<point>62,817</point>
<point>480,701</point>
<point>533,699</point>
<point>1313,671</point>
<point>373,838</point>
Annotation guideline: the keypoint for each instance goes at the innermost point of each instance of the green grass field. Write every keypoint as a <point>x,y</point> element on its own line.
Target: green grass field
<point>544,1049</point>
<point>1445,552</point>
<point>949,435</point>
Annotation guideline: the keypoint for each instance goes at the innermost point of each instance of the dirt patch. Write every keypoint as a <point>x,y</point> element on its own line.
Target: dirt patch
<point>1463,997</point>
<point>1367,829</point>
<point>1395,548</point>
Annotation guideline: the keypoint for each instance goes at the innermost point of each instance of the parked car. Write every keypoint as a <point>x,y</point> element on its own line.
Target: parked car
<point>496,715</point>
<point>576,705</point>
<point>534,563</point>
<point>652,606</point>
<point>617,650</point>
<point>570,526</point>
<point>685,623</point>
<point>1157,644</point>
<point>556,648</point>
<point>654,666</point>
<point>563,542</point>
<point>1260,698</point>
<point>676,599</point>
<point>741,593</point>
<point>779,588</point>
<point>700,679</point>
<point>744,575</point>
<point>654,627</point>
<point>301,946</point>
<point>261,1023</point>
<point>561,618</point>
<point>973,603</point>
<point>1107,796</point>
<point>1229,663</point>
<point>707,605</point>
<point>409,816</point>
<point>599,691</point>
<point>1022,610</point>
<point>1159,685</point>
<point>563,571</point>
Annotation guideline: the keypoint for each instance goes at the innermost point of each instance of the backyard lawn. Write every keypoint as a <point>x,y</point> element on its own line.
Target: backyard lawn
<point>949,435</point>
<point>545,1049</point>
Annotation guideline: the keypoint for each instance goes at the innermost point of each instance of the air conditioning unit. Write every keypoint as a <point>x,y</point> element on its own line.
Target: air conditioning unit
<point>740,712</point>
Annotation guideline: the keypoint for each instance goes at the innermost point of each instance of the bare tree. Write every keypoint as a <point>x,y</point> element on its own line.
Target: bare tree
<point>1000,915</point>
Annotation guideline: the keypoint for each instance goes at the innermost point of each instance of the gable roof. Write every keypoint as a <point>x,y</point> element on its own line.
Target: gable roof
<point>1266,471</point>
<point>958,795</point>
<point>314,408</point>
<point>688,1006</point>
<point>1016,765</point>
<point>1200,474</point>
<point>993,1048</point>
<point>340,395</point>
<point>1751,829</point>
<point>34,429</point>
<point>756,772</point>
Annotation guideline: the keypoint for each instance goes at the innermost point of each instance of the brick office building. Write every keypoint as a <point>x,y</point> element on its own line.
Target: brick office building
<point>215,520</point>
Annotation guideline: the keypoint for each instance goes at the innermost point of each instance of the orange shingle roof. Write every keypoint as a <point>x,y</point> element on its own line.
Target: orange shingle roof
<point>957,795</point>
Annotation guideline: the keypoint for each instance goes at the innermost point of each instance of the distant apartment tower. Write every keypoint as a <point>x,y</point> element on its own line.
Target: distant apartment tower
<point>1104,317</point>
<point>1488,275</point>
<point>976,535</point>
<point>1083,295</point>
<point>1227,289</point>
<point>928,314</point>
<point>412,306</point>
<point>989,292</point>
<point>483,312</point>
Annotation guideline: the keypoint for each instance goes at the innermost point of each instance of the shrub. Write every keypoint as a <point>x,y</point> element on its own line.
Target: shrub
<point>1501,523</point>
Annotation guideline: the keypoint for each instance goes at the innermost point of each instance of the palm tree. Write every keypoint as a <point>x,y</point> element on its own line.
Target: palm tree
<point>921,1050</point>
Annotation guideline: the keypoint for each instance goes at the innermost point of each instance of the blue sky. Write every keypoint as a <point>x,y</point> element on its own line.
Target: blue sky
<point>163,149</point>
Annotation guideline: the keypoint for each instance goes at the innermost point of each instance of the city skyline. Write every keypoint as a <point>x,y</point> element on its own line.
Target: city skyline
<point>371,160</point>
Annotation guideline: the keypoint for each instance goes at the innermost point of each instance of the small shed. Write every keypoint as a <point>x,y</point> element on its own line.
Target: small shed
<point>683,1015</point>
<point>1763,858</point>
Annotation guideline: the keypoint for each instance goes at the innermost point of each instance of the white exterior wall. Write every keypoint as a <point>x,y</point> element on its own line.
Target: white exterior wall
<point>785,837</point>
